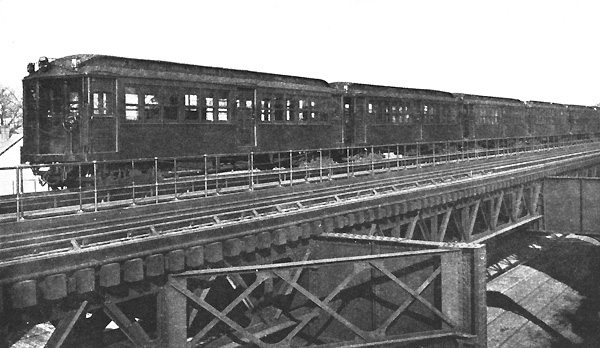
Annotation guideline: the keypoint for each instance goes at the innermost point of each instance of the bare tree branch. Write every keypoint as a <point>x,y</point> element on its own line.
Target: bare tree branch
<point>11,109</point>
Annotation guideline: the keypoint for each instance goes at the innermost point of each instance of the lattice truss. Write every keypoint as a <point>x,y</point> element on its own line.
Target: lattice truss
<point>466,220</point>
<point>389,298</point>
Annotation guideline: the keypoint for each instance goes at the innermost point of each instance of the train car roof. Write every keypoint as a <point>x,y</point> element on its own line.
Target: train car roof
<point>104,65</point>
<point>388,91</point>
<point>482,99</point>
<point>545,104</point>
<point>573,106</point>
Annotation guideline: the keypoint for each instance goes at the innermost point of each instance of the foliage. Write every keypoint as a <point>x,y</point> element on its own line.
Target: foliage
<point>11,109</point>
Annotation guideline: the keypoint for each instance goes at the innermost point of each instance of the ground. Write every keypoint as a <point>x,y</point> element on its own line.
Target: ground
<point>550,301</point>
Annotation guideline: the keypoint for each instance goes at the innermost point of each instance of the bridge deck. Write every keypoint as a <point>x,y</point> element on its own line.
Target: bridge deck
<point>551,301</point>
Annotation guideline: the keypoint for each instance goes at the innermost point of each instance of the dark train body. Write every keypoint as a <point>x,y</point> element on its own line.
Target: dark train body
<point>95,107</point>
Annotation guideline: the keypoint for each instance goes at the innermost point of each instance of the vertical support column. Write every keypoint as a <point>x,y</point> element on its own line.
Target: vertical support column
<point>452,298</point>
<point>171,314</point>
<point>479,296</point>
<point>536,189</point>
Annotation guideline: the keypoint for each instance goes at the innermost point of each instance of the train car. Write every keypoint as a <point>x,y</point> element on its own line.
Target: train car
<point>492,117</point>
<point>97,107</point>
<point>583,119</point>
<point>547,118</point>
<point>377,115</point>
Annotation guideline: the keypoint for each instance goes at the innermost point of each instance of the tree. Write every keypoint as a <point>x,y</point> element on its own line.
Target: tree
<point>11,109</point>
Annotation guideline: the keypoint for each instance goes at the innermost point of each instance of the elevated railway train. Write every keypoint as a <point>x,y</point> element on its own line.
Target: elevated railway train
<point>86,108</point>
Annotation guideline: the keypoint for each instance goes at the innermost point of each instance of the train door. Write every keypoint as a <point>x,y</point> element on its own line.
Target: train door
<point>102,116</point>
<point>58,117</point>
<point>245,126</point>
<point>348,121</point>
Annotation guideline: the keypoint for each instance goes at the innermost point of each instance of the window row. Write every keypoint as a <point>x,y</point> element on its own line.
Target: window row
<point>156,104</point>
<point>487,116</point>
<point>283,108</point>
<point>143,103</point>
<point>548,117</point>
<point>394,111</point>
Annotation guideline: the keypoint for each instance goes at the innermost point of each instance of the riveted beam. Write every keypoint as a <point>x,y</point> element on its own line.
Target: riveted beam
<point>65,326</point>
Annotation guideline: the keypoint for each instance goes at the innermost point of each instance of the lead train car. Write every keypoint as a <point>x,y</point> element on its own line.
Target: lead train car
<point>96,107</point>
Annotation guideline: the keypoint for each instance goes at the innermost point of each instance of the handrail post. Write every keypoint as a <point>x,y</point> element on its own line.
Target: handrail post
<point>251,168</point>
<point>320,165</point>
<point>18,189</point>
<point>205,176</point>
<point>80,191</point>
<point>279,167</point>
<point>156,177</point>
<point>330,172</point>
<point>176,176</point>
<point>95,186</point>
<point>132,182</point>
<point>216,174</point>
<point>372,161</point>
<point>348,162</point>
<point>306,171</point>
<point>291,169</point>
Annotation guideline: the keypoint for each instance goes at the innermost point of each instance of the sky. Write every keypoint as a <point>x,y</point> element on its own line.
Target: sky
<point>529,50</point>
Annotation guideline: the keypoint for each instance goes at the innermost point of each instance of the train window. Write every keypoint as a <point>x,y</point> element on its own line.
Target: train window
<point>101,104</point>
<point>278,108</point>
<point>314,114</point>
<point>223,108</point>
<point>191,106</point>
<point>290,109</point>
<point>74,103</point>
<point>209,109</point>
<point>216,106</point>
<point>385,115</point>
<point>30,97</point>
<point>243,103</point>
<point>171,108</point>
<point>131,104</point>
<point>451,114</point>
<point>51,96</point>
<point>301,110</point>
<point>427,117</point>
<point>265,110</point>
<point>151,107</point>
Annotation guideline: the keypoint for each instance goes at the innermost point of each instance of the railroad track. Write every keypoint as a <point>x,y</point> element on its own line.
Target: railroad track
<point>42,242</point>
